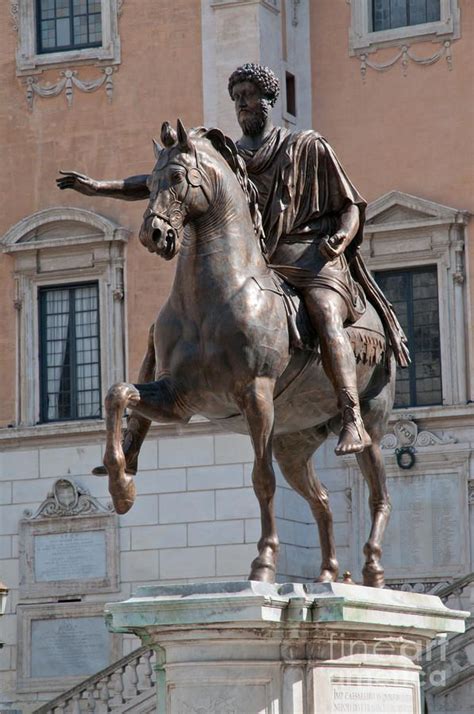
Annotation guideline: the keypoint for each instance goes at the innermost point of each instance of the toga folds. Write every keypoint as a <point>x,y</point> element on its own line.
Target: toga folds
<point>303,190</point>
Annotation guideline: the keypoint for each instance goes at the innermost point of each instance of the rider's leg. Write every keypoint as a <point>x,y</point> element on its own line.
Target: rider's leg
<point>328,312</point>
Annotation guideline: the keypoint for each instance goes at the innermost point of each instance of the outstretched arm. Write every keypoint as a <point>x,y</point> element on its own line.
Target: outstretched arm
<point>133,188</point>
<point>335,245</point>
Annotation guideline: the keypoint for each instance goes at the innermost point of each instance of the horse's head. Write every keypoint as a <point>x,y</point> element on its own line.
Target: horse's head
<point>180,190</point>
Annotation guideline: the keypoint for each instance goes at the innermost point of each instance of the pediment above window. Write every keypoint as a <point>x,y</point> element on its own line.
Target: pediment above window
<point>61,227</point>
<point>398,211</point>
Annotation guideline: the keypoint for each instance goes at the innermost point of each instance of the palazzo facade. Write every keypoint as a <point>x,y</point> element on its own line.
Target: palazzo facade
<point>85,85</point>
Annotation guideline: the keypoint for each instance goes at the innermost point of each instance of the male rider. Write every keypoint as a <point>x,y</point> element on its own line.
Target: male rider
<point>312,218</point>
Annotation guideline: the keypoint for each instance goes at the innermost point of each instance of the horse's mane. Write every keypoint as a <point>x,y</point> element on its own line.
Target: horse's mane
<point>228,150</point>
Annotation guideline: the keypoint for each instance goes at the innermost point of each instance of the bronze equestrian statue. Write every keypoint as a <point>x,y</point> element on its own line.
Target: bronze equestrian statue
<point>226,346</point>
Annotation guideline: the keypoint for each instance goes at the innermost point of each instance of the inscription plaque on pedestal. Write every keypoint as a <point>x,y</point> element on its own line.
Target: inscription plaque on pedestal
<point>352,698</point>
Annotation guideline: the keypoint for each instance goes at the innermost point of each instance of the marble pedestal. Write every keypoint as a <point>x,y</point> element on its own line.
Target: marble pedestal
<point>254,648</point>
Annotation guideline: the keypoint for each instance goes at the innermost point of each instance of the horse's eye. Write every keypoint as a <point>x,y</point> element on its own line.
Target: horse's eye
<point>177,176</point>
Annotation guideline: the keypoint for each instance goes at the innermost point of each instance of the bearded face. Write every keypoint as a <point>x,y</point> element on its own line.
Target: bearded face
<point>253,121</point>
<point>252,109</point>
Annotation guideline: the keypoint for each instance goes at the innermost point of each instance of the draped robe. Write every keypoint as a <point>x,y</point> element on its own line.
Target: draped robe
<point>303,191</point>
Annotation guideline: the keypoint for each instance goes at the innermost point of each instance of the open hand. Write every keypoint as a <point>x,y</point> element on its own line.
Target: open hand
<point>78,182</point>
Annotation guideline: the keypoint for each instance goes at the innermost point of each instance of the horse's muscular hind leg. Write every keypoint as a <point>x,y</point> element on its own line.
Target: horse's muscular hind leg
<point>293,453</point>
<point>373,469</point>
<point>256,404</point>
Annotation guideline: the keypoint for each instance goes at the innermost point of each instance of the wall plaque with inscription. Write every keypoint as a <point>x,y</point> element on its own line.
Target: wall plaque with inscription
<point>68,647</point>
<point>69,546</point>
<point>60,644</point>
<point>70,556</point>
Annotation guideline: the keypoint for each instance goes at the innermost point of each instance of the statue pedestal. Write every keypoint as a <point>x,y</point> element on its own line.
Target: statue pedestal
<point>254,648</point>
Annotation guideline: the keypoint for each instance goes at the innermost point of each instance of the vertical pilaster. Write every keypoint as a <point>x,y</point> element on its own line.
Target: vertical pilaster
<point>270,32</point>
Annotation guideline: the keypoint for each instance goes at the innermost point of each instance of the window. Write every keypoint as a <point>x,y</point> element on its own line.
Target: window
<point>68,24</point>
<point>384,23</point>
<point>414,295</point>
<point>290,93</point>
<point>387,14</point>
<point>56,32</point>
<point>69,296</point>
<point>415,249</point>
<point>69,352</point>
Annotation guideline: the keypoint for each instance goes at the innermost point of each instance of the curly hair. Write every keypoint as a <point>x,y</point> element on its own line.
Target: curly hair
<point>262,76</point>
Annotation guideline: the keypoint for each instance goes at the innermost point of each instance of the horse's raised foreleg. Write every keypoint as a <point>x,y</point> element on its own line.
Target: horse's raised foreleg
<point>137,425</point>
<point>372,465</point>
<point>294,455</point>
<point>256,404</point>
<point>155,400</point>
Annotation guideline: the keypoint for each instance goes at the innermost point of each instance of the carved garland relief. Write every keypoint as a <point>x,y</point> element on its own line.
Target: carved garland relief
<point>69,78</point>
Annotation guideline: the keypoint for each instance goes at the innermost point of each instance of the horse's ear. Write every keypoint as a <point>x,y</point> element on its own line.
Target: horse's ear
<point>168,134</point>
<point>183,138</point>
<point>157,148</point>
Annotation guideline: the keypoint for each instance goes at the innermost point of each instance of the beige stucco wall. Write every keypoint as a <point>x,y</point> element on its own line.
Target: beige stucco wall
<point>101,139</point>
<point>412,133</point>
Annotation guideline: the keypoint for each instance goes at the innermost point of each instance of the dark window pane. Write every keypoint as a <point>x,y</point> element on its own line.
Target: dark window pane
<point>70,354</point>
<point>433,11</point>
<point>387,14</point>
<point>63,32</point>
<point>68,24</point>
<point>414,295</point>
<point>398,13</point>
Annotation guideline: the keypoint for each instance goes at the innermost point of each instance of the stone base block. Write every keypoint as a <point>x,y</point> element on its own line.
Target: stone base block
<point>255,648</point>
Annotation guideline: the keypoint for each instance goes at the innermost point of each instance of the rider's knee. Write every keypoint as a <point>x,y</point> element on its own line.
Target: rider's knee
<point>326,318</point>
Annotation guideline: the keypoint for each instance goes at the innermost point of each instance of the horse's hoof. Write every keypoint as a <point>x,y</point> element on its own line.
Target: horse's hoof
<point>326,576</point>
<point>123,496</point>
<point>263,572</point>
<point>374,576</point>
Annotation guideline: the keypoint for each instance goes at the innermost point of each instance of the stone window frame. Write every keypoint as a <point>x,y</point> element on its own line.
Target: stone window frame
<point>28,60</point>
<point>363,40</point>
<point>405,231</point>
<point>97,254</point>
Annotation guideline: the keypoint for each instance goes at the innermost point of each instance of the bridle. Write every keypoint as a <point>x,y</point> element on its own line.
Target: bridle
<point>174,215</point>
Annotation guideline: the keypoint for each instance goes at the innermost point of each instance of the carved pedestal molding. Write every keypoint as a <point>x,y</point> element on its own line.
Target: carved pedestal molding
<point>66,84</point>
<point>252,647</point>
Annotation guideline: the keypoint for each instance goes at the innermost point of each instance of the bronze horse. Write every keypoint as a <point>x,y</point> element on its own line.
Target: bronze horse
<point>223,350</point>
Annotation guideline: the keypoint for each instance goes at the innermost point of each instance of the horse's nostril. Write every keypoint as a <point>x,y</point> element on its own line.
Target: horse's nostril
<point>156,235</point>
